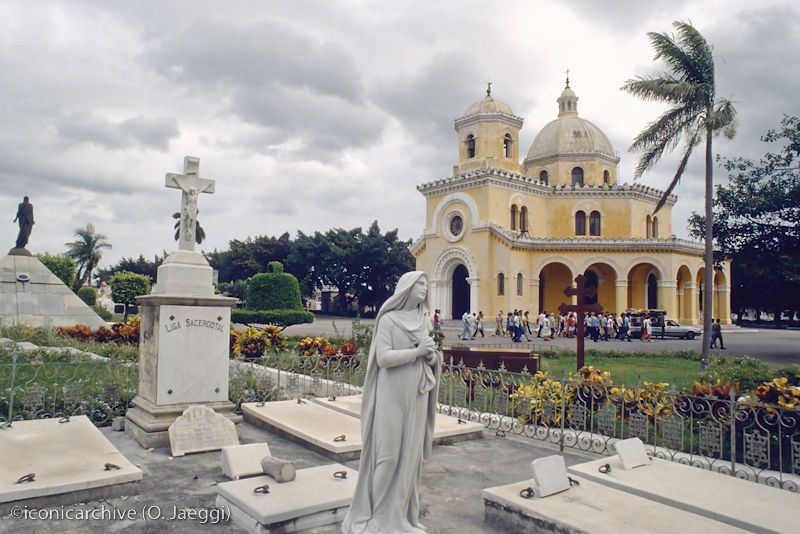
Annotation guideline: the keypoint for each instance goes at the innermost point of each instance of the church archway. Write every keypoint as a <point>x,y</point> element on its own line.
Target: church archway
<point>591,281</point>
<point>460,287</point>
<point>553,278</point>
<point>643,281</point>
<point>602,276</point>
<point>652,292</point>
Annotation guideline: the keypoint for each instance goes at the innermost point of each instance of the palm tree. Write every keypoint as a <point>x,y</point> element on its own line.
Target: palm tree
<point>86,252</point>
<point>199,233</point>
<point>695,114</point>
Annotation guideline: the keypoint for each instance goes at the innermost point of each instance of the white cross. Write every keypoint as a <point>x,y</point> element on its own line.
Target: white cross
<point>191,185</point>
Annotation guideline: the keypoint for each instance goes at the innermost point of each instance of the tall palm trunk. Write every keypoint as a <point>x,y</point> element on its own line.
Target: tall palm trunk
<point>708,290</point>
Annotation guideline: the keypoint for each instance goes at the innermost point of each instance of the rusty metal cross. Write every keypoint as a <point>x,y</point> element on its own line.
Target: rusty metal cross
<point>581,291</point>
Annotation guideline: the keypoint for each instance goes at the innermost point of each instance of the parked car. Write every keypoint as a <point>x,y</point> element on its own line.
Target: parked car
<point>671,328</point>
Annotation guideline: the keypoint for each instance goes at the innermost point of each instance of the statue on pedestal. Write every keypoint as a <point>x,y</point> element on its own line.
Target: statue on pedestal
<point>25,218</point>
<point>398,412</point>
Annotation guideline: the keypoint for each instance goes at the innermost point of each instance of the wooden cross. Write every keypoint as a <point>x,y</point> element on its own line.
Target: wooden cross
<point>191,185</point>
<point>581,291</point>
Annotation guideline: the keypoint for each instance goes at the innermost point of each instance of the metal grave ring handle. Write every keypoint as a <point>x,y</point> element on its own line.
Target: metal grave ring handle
<point>605,468</point>
<point>340,438</point>
<point>340,474</point>
<point>261,490</point>
<point>527,493</point>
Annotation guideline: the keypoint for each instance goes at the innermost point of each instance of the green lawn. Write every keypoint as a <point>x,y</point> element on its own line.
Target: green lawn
<point>629,370</point>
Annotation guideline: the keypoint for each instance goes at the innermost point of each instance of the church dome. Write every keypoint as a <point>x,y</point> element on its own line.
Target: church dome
<point>569,134</point>
<point>488,105</point>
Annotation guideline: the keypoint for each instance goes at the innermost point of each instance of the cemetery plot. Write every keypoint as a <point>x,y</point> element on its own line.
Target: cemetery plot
<point>588,507</point>
<point>47,462</point>
<point>446,427</point>
<point>318,496</point>
<point>331,433</point>
<point>736,502</point>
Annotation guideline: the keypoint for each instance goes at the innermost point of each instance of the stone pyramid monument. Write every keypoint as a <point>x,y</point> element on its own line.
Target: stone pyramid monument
<point>32,295</point>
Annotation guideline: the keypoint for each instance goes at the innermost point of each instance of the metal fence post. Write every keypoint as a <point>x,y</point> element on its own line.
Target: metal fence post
<point>732,413</point>
<point>563,408</point>
<point>13,380</point>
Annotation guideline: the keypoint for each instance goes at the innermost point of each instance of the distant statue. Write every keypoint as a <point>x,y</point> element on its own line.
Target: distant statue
<point>25,218</point>
<point>398,411</point>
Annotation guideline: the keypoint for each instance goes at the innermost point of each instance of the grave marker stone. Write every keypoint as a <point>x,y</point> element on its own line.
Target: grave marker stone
<point>550,475</point>
<point>201,429</point>
<point>632,453</point>
<point>240,461</point>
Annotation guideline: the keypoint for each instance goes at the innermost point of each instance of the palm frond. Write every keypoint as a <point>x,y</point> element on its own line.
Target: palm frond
<point>677,59</point>
<point>698,49</point>
<point>723,118</point>
<point>678,173</point>
<point>663,135</point>
<point>666,88</point>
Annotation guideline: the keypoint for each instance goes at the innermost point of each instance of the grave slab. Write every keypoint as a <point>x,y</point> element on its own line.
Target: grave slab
<point>309,424</point>
<point>445,428</point>
<point>591,508</point>
<point>201,429</point>
<point>736,502</point>
<point>243,460</point>
<point>71,462</point>
<point>313,499</point>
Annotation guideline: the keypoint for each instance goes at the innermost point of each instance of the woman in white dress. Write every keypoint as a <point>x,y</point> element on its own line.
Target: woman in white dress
<point>397,413</point>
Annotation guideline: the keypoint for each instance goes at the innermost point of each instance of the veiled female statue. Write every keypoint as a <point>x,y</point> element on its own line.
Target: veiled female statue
<point>398,411</point>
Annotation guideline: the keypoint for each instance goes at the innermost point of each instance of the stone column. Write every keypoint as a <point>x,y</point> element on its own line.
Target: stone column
<point>722,304</point>
<point>690,304</point>
<point>474,305</point>
<point>534,292</point>
<point>621,295</point>
<point>667,297</point>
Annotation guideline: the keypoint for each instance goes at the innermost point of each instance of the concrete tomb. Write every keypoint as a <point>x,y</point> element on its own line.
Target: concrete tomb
<point>32,295</point>
<point>52,462</point>
<point>185,331</point>
<point>588,507</point>
<point>201,429</point>
<point>239,461</point>
<point>318,496</point>
<point>730,500</point>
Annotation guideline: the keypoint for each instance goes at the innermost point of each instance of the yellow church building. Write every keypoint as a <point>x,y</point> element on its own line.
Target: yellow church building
<point>504,235</point>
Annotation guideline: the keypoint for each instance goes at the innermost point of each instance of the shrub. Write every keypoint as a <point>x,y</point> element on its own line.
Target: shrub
<point>349,348</point>
<point>237,289</point>
<point>88,295</point>
<point>749,372</point>
<point>791,373</point>
<point>250,344</point>
<point>313,345</point>
<point>274,290</point>
<point>102,312</point>
<point>103,335</point>
<point>274,338</point>
<point>60,265</point>
<point>126,286</point>
<point>775,392</point>
<point>80,332</point>
<point>280,318</point>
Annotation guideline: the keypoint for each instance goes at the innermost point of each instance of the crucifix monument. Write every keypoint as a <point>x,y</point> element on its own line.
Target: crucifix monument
<point>581,292</point>
<point>185,331</point>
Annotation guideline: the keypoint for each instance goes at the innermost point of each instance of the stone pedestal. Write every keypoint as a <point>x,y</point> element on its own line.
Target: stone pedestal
<point>183,350</point>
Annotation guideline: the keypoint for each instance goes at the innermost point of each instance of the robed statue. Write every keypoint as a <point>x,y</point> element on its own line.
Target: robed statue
<point>398,411</point>
<point>25,218</point>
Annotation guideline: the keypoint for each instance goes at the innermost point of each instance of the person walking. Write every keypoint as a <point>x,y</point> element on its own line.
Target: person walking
<point>647,329</point>
<point>478,325</point>
<point>498,324</point>
<point>437,321</point>
<point>626,326</point>
<point>716,333</point>
<point>464,335</point>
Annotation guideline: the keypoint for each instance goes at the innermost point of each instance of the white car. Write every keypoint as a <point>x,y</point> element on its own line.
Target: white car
<point>673,329</point>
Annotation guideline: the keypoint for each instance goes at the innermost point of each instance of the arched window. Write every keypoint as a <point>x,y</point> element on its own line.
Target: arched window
<point>606,177</point>
<point>580,223</point>
<point>569,105</point>
<point>544,178</point>
<point>507,146</point>
<point>577,176</point>
<point>501,285</point>
<point>523,219</point>
<point>649,227</point>
<point>470,146</point>
<point>514,217</point>
<point>594,223</point>
<point>519,284</point>
<point>655,227</point>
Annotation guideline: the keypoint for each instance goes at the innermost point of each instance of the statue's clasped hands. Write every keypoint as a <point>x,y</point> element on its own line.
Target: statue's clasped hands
<point>427,349</point>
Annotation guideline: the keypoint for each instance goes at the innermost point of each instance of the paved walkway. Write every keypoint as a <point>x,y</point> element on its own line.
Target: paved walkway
<point>776,347</point>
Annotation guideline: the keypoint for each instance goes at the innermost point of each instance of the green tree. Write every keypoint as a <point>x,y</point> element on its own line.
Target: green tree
<point>60,265</point>
<point>757,224</point>
<point>125,287</point>
<point>696,114</point>
<point>86,251</point>
<point>140,265</point>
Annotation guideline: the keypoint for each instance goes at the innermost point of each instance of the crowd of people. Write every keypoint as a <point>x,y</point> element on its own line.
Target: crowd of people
<point>518,324</point>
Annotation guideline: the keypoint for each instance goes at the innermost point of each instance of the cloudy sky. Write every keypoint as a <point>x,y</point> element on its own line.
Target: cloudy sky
<point>313,115</point>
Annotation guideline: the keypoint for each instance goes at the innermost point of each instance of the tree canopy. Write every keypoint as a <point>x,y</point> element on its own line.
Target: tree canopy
<point>140,265</point>
<point>757,223</point>
<point>366,265</point>
<point>86,250</point>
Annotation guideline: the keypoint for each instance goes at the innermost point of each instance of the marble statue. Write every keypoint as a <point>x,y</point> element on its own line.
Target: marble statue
<point>25,218</point>
<point>397,413</point>
<point>191,186</point>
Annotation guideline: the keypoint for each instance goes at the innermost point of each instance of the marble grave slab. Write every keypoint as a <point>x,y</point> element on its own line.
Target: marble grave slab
<point>741,503</point>
<point>71,462</point>
<point>243,460</point>
<point>592,508</point>
<point>201,429</point>
<point>316,497</point>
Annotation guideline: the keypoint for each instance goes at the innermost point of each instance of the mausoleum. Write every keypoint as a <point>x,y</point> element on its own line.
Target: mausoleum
<point>504,235</point>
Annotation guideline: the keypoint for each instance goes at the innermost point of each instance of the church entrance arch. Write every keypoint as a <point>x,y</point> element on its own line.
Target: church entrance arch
<point>553,278</point>
<point>643,281</point>
<point>602,276</point>
<point>460,289</point>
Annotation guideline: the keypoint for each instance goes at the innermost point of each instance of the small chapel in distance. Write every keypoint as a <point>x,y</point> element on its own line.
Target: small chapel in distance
<point>504,235</point>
